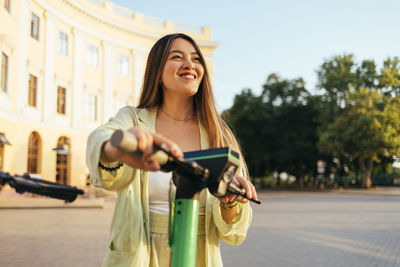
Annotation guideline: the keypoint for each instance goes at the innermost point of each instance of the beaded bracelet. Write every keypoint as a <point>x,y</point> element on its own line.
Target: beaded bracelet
<point>110,169</point>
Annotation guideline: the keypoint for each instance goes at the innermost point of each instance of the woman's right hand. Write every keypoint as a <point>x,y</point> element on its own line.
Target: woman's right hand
<point>146,140</point>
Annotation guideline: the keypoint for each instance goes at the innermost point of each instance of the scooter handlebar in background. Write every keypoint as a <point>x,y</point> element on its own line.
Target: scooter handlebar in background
<point>25,183</point>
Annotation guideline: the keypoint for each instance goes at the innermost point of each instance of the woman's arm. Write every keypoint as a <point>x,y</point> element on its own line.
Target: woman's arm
<point>99,150</point>
<point>229,207</point>
<point>146,142</point>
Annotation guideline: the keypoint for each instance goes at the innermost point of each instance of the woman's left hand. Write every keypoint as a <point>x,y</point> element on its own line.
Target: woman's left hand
<point>242,183</point>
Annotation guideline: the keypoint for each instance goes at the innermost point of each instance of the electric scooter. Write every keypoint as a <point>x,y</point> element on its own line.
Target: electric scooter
<point>212,169</point>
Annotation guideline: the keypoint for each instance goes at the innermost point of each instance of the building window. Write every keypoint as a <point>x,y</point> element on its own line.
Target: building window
<point>62,163</point>
<point>1,155</point>
<point>92,57</point>
<point>33,153</point>
<point>63,43</point>
<point>61,100</point>
<point>91,107</point>
<point>123,65</point>
<point>32,95</point>
<point>4,72</point>
<point>35,26</point>
<point>7,5</point>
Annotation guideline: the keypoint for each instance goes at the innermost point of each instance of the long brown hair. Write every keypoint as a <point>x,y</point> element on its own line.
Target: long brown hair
<point>219,134</point>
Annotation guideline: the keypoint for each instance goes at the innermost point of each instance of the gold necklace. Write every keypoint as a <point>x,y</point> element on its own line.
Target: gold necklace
<point>176,119</point>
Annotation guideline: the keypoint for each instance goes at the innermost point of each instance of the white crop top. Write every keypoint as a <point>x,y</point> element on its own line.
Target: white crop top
<point>159,183</point>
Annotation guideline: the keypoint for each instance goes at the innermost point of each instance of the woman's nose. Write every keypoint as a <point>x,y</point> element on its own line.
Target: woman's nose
<point>188,64</point>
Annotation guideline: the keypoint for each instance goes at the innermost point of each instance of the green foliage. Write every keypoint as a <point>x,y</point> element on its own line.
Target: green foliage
<point>277,129</point>
<point>369,126</point>
<point>249,118</point>
<point>382,179</point>
<point>386,178</point>
<point>366,75</point>
<point>335,77</point>
<point>354,122</point>
<point>280,92</point>
<point>390,77</point>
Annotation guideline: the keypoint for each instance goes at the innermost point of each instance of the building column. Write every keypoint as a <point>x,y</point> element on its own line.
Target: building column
<point>77,82</point>
<point>139,66</point>
<point>109,80</point>
<point>49,91</point>
<point>22,94</point>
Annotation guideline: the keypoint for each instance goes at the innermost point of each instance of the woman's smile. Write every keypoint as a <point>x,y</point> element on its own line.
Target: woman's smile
<point>188,76</point>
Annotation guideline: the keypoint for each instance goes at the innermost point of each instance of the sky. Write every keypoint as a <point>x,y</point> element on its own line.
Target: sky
<point>288,37</point>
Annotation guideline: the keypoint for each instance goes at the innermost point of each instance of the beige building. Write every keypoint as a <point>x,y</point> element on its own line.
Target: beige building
<point>66,67</point>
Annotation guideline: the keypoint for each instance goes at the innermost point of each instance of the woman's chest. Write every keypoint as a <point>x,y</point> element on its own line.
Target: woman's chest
<point>186,136</point>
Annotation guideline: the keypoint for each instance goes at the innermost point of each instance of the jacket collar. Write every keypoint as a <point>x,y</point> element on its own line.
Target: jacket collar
<point>148,117</point>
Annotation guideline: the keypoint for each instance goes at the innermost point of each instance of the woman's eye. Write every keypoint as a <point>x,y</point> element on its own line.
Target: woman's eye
<point>197,59</point>
<point>177,57</point>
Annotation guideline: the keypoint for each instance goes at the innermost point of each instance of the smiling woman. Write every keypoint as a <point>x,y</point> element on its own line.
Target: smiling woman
<point>183,70</point>
<point>176,83</point>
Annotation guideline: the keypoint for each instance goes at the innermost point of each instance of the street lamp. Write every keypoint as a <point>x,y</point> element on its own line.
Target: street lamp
<point>62,150</point>
<point>3,139</point>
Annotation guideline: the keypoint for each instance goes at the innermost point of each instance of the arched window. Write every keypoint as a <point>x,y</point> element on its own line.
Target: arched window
<point>34,146</point>
<point>1,155</point>
<point>62,164</point>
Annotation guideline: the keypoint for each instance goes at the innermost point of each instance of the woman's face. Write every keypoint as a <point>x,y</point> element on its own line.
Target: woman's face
<point>183,71</point>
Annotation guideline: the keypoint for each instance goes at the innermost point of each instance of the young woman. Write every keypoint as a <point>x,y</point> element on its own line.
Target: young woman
<point>177,108</point>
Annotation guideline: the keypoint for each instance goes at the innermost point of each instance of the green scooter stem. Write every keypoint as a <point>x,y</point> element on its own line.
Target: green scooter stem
<point>184,234</point>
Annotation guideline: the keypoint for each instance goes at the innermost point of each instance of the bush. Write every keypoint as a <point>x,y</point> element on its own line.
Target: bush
<point>386,179</point>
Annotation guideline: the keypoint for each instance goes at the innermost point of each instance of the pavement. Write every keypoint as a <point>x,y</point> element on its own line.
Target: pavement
<point>9,199</point>
<point>374,191</point>
<point>45,203</point>
<point>355,228</point>
<point>290,228</point>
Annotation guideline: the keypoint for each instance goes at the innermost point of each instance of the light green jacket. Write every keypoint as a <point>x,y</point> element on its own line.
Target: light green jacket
<point>128,243</point>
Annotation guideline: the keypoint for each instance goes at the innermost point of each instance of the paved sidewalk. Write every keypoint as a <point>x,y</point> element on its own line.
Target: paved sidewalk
<point>9,199</point>
<point>374,191</point>
<point>301,229</point>
<point>315,229</point>
<point>54,237</point>
<point>46,203</point>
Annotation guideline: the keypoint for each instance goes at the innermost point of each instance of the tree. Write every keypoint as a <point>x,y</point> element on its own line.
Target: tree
<point>249,118</point>
<point>296,140</point>
<point>389,80</point>
<point>368,128</point>
<point>366,75</point>
<point>277,129</point>
<point>283,92</point>
<point>336,77</point>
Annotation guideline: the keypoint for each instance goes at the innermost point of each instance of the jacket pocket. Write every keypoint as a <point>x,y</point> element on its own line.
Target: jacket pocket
<point>119,255</point>
<point>121,244</point>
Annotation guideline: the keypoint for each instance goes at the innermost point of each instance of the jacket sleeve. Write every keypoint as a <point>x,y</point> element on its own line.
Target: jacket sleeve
<point>120,179</point>
<point>235,232</point>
